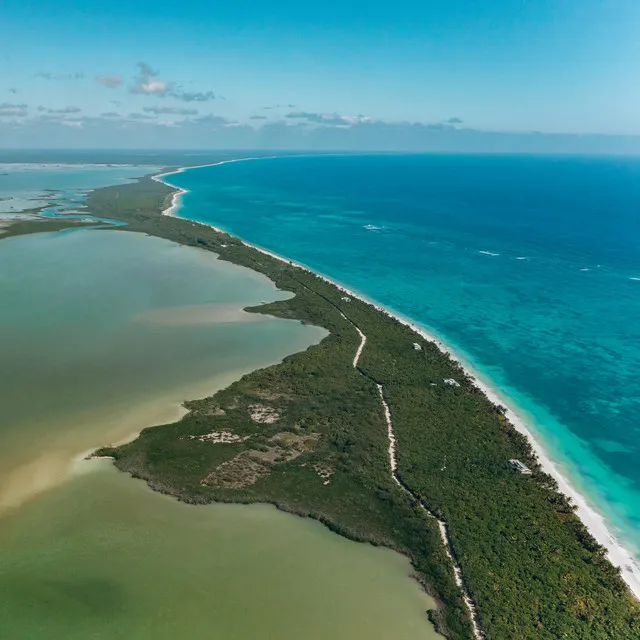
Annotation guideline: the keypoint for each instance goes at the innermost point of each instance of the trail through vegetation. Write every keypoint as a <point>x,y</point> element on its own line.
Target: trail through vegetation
<point>526,561</point>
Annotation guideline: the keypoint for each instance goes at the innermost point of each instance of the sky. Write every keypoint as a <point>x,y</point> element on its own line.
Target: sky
<point>415,74</point>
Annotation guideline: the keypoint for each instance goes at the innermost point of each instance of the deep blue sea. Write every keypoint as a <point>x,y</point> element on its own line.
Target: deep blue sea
<point>529,267</point>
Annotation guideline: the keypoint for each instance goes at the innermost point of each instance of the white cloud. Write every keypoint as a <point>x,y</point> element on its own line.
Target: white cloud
<point>212,120</point>
<point>178,111</point>
<point>15,110</point>
<point>193,96</point>
<point>328,119</point>
<point>111,81</point>
<point>213,132</point>
<point>147,82</point>
<point>140,116</point>
<point>63,111</point>
<point>150,86</point>
<point>77,75</point>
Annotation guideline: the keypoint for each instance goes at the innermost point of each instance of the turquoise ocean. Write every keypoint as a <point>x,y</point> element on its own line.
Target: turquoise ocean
<point>527,267</point>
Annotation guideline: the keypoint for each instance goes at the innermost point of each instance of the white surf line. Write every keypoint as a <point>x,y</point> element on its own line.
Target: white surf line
<point>444,533</point>
<point>175,197</point>
<point>591,518</point>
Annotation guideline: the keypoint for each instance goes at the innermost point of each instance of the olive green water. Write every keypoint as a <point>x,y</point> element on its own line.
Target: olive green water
<point>96,343</point>
<point>104,333</point>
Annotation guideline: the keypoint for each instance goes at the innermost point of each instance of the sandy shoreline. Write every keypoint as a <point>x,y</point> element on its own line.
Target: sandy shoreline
<point>175,198</point>
<point>591,518</point>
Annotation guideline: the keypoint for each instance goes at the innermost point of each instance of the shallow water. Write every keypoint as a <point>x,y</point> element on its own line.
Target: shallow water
<point>103,557</point>
<point>529,267</point>
<point>103,333</point>
<point>31,186</point>
<point>84,363</point>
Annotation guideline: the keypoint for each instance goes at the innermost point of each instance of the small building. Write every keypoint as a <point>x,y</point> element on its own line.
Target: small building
<point>452,382</point>
<point>417,346</point>
<point>346,299</point>
<point>520,467</point>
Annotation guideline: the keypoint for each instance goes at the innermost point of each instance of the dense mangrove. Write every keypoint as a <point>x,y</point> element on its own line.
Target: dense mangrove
<point>309,435</point>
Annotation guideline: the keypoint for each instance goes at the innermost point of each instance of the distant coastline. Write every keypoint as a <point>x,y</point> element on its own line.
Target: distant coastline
<point>452,459</point>
<point>593,520</point>
<point>175,198</point>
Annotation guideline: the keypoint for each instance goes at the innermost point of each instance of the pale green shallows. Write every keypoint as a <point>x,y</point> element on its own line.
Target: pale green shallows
<point>96,342</point>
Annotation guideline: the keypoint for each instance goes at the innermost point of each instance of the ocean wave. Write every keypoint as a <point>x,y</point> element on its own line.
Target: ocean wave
<point>522,258</point>
<point>489,253</point>
<point>637,279</point>
<point>372,227</point>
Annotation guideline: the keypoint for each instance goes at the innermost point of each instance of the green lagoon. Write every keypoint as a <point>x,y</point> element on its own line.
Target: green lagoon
<point>103,333</point>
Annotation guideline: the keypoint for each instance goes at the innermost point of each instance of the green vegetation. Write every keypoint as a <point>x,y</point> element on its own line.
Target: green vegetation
<point>26,226</point>
<point>310,437</point>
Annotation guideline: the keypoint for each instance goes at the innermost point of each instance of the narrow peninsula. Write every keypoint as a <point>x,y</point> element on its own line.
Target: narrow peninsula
<point>384,438</point>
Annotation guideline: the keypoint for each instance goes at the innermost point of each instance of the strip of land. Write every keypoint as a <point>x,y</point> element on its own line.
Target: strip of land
<point>393,467</point>
<point>320,435</point>
<point>594,521</point>
<point>24,226</point>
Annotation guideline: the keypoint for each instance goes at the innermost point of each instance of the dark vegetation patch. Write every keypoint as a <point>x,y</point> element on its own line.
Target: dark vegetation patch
<point>248,466</point>
<point>531,567</point>
<point>21,227</point>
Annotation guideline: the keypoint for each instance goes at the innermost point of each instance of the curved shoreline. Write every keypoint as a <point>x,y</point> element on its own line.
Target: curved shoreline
<point>591,518</point>
<point>175,198</point>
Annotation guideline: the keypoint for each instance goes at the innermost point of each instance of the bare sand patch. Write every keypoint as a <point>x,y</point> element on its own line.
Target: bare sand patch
<point>191,315</point>
<point>220,437</point>
<point>249,466</point>
<point>263,414</point>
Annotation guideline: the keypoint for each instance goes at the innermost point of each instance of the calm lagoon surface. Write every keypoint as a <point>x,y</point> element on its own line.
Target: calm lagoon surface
<point>98,339</point>
<point>528,267</point>
<point>103,333</point>
<point>60,188</point>
<point>104,557</point>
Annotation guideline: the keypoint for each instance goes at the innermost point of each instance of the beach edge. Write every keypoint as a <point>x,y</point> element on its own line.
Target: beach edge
<point>594,521</point>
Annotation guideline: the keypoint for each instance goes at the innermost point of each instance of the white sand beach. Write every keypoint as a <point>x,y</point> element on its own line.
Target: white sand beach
<point>592,519</point>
